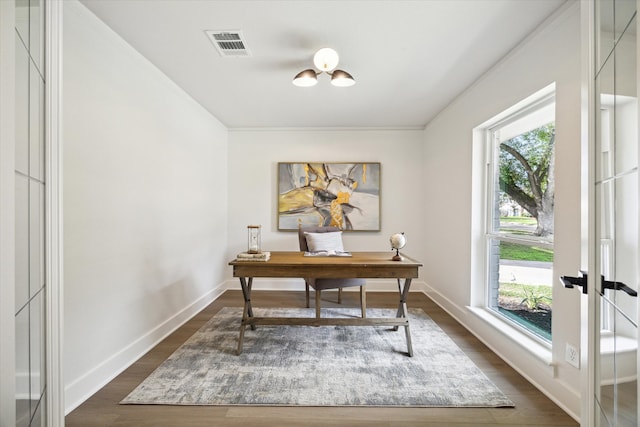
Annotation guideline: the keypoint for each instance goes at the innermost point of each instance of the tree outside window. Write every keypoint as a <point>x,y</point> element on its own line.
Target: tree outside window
<point>520,222</point>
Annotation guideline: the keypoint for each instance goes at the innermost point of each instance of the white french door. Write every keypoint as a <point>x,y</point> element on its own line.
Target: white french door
<point>613,232</point>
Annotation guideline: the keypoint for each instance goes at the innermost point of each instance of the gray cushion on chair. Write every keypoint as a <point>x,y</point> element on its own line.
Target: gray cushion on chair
<point>321,284</point>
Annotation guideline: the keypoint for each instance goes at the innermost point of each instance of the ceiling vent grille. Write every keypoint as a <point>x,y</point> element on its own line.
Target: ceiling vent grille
<point>228,43</point>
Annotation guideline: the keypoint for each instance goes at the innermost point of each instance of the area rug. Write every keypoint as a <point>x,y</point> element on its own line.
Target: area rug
<point>319,366</point>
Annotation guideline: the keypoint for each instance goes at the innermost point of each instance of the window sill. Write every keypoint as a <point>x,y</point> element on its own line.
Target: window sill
<point>537,349</point>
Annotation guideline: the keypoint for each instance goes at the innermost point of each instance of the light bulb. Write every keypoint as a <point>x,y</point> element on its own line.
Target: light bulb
<point>326,59</point>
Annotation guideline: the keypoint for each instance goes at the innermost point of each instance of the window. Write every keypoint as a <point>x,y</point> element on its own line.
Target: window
<point>518,218</point>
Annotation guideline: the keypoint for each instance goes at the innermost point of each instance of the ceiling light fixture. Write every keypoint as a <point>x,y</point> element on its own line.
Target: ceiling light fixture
<point>325,60</point>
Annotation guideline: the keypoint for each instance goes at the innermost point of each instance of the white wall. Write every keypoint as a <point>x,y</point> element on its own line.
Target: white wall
<point>253,160</point>
<point>550,54</point>
<point>145,216</point>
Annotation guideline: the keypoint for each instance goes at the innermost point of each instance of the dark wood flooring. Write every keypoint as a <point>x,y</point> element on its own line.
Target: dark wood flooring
<point>532,408</point>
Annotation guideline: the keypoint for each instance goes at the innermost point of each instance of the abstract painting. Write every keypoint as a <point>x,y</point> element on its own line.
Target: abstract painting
<point>344,195</point>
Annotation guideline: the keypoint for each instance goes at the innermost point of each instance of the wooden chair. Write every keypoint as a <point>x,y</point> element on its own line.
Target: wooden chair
<point>321,284</point>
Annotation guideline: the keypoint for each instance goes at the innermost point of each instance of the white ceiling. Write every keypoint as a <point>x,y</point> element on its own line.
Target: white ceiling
<point>409,58</point>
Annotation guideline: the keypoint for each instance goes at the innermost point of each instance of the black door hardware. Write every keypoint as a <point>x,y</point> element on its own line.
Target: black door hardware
<point>618,286</point>
<point>570,282</point>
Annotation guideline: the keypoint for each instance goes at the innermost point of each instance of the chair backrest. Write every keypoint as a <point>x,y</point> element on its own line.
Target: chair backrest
<point>312,229</point>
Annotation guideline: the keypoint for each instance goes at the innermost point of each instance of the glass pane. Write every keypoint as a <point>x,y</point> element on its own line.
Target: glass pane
<point>22,20</point>
<point>624,11</point>
<point>23,413</point>
<point>36,32</point>
<point>36,124</point>
<point>523,286</point>
<point>612,18</point>
<point>606,34</point>
<point>626,105</point>
<point>526,205</point>
<point>618,228</point>
<point>36,237</point>
<point>606,195</point>
<point>626,243</point>
<point>37,348</point>
<point>22,108</point>
<point>618,373</point>
<point>40,417</point>
<point>605,123</point>
<point>21,242</point>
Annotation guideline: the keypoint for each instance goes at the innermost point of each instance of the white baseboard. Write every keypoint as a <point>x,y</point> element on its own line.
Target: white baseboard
<point>83,388</point>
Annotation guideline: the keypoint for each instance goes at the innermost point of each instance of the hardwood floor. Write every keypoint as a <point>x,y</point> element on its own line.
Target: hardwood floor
<point>532,408</point>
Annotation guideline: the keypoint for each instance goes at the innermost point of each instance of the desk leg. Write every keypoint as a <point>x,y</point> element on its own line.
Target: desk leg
<point>248,310</point>
<point>402,311</point>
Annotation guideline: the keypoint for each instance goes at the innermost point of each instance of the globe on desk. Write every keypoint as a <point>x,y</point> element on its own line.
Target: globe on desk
<point>397,242</point>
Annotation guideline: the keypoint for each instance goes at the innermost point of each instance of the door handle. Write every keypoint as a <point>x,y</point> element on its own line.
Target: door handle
<point>618,286</point>
<point>570,281</point>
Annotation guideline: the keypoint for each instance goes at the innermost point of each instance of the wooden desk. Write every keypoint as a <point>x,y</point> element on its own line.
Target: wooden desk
<point>359,265</point>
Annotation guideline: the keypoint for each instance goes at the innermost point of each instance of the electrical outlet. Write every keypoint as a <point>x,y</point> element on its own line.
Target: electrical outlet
<point>572,356</point>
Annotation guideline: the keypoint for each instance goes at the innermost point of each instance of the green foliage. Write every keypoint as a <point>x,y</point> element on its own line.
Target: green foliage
<point>536,147</point>
<point>531,296</point>
<point>515,251</point>
<point>525,166</point>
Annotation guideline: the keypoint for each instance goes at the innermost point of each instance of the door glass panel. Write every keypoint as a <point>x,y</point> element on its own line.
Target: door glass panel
<point>626,245</point>
<point>23,414</point>
<point>22,108</point>
<point>22,20</point>
<point>36,124</point>
<point>36,237</point>
<point>36,32</point>
<point>21,241</point>
<point>626,105</point>
<point>618,373</point>
<point>36,349</point>
<point>604,22</point>
<point>605,122</point>
<point>624,10</point>
<point>616,158</point>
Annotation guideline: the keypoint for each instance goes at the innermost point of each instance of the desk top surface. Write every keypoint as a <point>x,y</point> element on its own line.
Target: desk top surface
<point>364,259</point>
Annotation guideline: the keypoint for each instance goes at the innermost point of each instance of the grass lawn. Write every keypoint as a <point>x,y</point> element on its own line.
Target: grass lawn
<point>519,219</point>
<point>524,253</point>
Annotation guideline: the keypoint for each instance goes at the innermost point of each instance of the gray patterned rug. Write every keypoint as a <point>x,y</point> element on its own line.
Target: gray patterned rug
<point>318,366</point>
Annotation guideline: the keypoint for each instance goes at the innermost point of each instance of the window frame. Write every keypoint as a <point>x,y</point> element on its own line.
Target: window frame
<point>490,230</point>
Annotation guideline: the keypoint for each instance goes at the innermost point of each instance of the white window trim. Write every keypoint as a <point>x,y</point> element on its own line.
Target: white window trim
<point>482,150</point>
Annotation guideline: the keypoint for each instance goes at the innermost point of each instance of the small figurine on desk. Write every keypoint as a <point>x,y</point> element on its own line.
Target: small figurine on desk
<point>397,242</point>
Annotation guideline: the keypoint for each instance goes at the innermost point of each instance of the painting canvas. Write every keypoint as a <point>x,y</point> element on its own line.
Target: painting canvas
<point>344,195</point>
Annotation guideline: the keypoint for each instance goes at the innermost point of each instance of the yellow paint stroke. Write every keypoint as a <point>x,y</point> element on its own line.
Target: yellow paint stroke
<point>364,173</point>
<point>306,174</point>
<point>335,210</point>
<point>295,199</point>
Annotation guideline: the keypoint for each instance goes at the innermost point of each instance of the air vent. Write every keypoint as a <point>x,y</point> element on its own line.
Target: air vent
<point>228,43</point>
